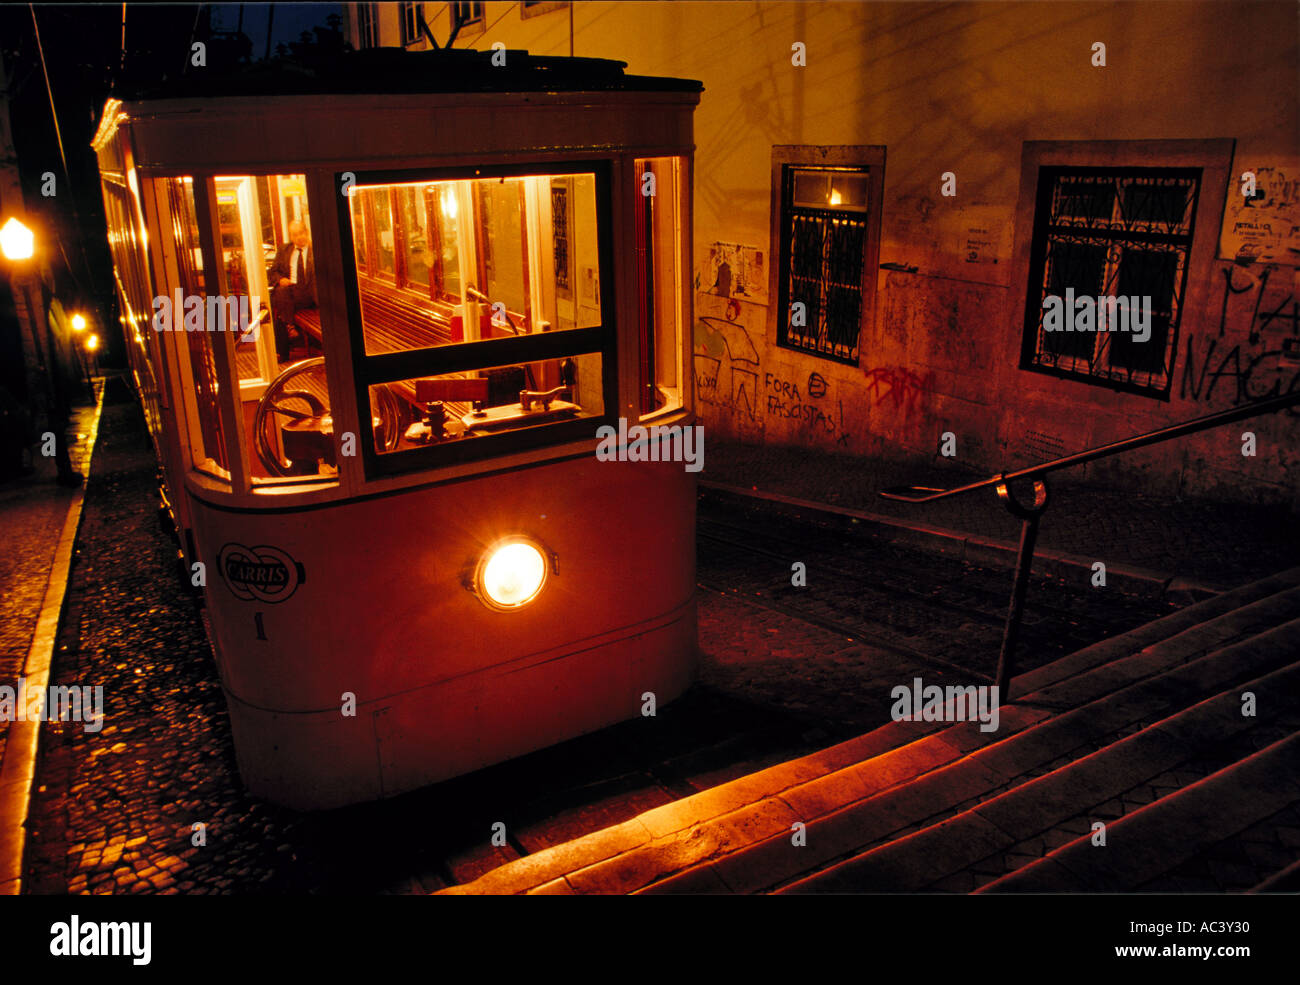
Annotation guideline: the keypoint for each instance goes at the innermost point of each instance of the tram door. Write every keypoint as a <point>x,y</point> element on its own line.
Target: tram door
<point>243,256</point>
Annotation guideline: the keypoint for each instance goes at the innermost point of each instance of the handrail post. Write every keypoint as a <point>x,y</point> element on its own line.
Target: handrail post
<point>1029,517</point>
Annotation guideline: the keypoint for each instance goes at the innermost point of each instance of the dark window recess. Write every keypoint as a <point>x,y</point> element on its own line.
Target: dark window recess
<point>367,28</point>
<point>1108,232</point>
<point>465,14</point>
<point>824,215</point>
<point>412,14</point>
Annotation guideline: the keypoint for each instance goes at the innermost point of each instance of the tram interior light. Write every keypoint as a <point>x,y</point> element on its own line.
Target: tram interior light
<point>17,242</point>
<point>513,574</point>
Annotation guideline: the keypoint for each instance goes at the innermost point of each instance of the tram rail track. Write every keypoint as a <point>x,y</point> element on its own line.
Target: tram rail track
<point>929,606</point>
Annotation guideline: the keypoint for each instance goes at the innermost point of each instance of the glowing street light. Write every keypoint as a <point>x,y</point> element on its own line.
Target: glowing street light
<point>17,242</point>
<point>92,343</point>
<point>78,323</point>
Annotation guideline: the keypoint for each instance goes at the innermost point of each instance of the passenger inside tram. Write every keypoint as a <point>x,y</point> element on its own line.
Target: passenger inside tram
<point>292,282</point>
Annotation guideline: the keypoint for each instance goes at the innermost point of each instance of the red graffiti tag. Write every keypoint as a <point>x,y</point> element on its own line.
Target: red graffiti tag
<point>901,387</point>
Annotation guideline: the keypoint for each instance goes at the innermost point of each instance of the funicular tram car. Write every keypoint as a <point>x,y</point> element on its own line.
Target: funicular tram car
<point>414,563</point>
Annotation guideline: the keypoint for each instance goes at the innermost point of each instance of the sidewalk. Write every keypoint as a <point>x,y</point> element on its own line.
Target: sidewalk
<point>1214,544</point>
<point>38,525</point>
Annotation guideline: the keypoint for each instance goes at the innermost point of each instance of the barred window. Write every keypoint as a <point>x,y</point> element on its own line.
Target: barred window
<point>823,247</point>
<point>1110,233</point>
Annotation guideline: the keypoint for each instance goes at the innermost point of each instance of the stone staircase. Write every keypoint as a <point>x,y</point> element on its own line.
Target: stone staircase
<point>1144,733</point>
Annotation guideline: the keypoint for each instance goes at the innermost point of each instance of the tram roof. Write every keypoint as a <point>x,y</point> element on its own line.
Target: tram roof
<point>394,70</point>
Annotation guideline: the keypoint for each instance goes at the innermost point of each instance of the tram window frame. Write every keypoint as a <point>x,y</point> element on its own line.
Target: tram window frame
<point>237,476</point>
<point>391,367</point>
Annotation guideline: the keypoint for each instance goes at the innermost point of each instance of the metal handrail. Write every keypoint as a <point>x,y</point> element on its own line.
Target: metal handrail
<point>1102,451</point>
<point>1029,514</point>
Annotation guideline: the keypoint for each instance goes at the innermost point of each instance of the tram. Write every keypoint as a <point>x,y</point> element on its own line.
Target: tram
<point>377,316</point>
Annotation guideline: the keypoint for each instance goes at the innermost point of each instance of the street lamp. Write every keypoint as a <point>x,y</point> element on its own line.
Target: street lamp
<point>79,325</point>
<point>17,242</point>
<point>92,343</point>
<point>18,245</point>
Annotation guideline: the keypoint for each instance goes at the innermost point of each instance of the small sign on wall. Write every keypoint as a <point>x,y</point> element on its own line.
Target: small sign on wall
<point>983,236</point>
<point>1261,218</point>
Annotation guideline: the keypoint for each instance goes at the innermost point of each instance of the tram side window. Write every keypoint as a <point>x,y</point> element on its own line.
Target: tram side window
<point>203,414</point>
<point>660,284</point>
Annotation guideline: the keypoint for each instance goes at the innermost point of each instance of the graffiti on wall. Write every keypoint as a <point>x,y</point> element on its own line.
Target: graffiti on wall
<point>1217,368</point>
<point>808,407</point>
<point>900,389</point>
<point>726,364</point>
<point>729,378</point>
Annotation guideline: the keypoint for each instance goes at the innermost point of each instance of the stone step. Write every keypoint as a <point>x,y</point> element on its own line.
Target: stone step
<point>998,824</point>
<point>850,827</point>
<point>1169,831</point>
<point>741,815</point>
<point>1286,881</point>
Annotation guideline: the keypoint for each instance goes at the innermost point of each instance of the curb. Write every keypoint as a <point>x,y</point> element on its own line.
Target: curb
<point>1129,579</point>
<point>18,771</point>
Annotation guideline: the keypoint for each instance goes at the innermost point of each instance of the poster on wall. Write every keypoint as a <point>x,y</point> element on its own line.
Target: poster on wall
<point>1261,224</point>
<point>730,270</point>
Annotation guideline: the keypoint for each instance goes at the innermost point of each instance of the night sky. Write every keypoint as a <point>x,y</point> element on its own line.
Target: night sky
<point>290,20</point>
<point>84,58</point>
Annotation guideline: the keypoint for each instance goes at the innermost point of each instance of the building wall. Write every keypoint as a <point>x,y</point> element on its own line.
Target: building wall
<point>961,88</point>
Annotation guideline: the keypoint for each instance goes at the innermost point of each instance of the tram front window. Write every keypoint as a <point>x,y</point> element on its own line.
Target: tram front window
<point>446,262</point>
<point>267,256</point>
<point>492,285</point>
<point>455,407</point>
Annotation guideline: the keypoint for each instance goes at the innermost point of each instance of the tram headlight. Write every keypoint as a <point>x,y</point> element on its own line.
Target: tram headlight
<point>512,574</point>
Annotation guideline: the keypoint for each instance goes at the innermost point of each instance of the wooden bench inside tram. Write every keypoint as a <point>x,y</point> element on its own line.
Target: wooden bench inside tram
<point>391,325</point>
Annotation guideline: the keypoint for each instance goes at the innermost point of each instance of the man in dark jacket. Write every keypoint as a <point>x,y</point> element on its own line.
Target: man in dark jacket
<point>293,284</point>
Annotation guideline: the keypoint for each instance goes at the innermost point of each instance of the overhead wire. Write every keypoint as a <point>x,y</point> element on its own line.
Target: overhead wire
<point>63,158</point>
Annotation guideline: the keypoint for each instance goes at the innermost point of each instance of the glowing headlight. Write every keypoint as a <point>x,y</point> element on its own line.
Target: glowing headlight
<point>512,574</point>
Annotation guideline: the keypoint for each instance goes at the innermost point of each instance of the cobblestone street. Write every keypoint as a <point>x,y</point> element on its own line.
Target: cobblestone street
<point>785,671</point>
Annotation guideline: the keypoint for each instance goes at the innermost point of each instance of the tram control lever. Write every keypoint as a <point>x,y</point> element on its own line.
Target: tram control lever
<point>481,298</point>
<point>528,397</point>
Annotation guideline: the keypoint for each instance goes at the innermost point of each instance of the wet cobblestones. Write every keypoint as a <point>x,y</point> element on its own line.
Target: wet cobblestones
<point>32,513</point>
